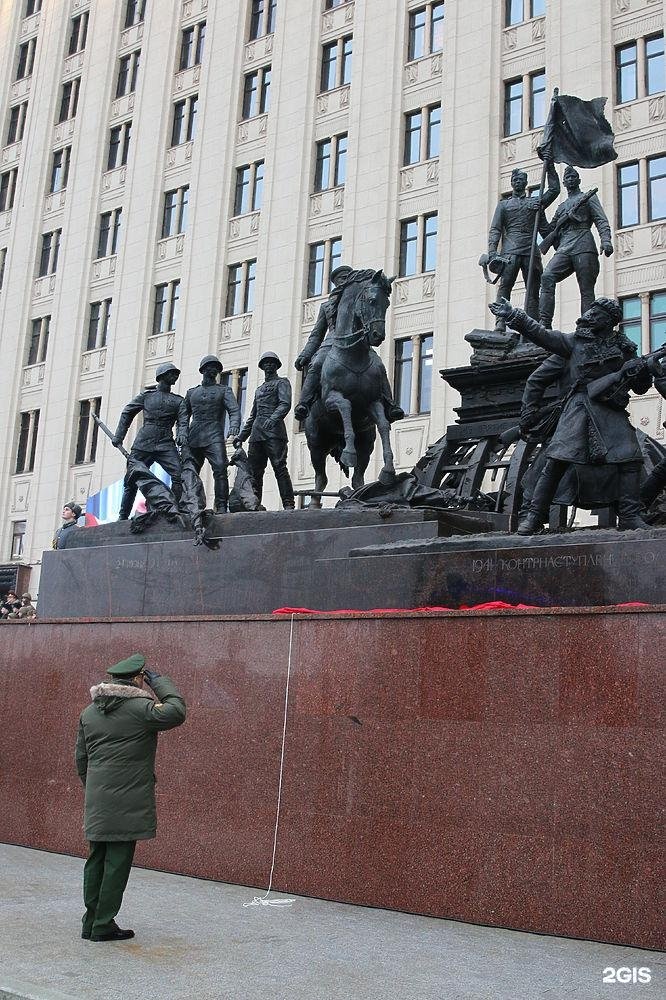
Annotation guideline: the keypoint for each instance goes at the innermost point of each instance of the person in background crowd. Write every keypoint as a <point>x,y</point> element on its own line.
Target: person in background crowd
<point>10,604</point>
<point>27,609</point>
<point>71,513</point>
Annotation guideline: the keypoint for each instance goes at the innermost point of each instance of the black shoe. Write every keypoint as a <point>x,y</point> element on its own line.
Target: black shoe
<point>301,411</point>
<point>117,934</point>
<point>530,525</point>
<point>631,523</point>
<point>395,412</point>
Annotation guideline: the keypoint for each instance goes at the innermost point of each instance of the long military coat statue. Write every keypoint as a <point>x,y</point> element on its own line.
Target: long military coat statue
<point>207,407</point>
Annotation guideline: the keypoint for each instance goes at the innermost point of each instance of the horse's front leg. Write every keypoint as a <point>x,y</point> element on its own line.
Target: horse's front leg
<point>387,475</point>
<point>336,401</point>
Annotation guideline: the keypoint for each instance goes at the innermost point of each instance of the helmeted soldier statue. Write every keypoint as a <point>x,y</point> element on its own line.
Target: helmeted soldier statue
<point>576,250</point>
<point>267,432</point>
<point>161,409</point>
<point>319,343</point>
<point>593,435</point>
<point>513,226</point>
<point>207,407</point>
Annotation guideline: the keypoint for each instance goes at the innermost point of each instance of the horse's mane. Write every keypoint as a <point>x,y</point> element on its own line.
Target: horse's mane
<point>358,279</point>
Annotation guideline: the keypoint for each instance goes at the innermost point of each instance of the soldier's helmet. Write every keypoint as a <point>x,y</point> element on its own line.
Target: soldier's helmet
<point>269,356</point>
<point>211,359</point>
<point>340,274</point>
<point>162,369</point>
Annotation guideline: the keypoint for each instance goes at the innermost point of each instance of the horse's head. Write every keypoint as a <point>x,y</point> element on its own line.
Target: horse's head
<point>371,306</point>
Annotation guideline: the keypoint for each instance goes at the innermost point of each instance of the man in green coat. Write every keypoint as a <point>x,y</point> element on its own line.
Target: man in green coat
<point>115,758</point>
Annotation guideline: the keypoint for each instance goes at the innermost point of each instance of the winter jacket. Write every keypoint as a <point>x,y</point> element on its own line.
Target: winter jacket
<point>115,757</point>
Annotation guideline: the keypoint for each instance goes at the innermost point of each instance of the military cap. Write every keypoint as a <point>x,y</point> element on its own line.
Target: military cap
<point>75,508</point>
<point>211,359</point>
<point>26,597</point>
<point>611,307</point>
<point>269,356</point>
<point>340,273</point>
<point>130,667</point>
<point>167,366</point>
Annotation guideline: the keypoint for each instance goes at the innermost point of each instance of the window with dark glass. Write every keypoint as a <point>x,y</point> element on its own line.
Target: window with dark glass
<point>60,169</point>
<point>109,232</point>
<point>513,107</point>
<point>537,99</point>
<point>630,324</point>
<point>412,152</point>
<point>329,66</point>
<point>515,12</point>
<point>402,373</point>
<point>409,236</point>
<point>654,64</point>
<point>241,280</point>
<point>98,324</point>
<point>657,320</point>
<point>437,27</point>
<point>626,72</point>
<point>16,127</point>
<point>336,64</point>
<point>86,437</point>
<point>135,12</point>
<point>434,127</point>
<point>192,45</point>
<point>78,33</point>
<point>250,278</point>
<point>656,171</point>
<point>628,195</point>
<point>256,93</point>
<point>346,61</point>
<point>119,143</point>
<point>32,7</point>
<point>69,99</point>
<point>26,59</point>
<point>262,18</point>
<point>48,256</point>
<point>425,31</point>
<point>537,8</point>
<point>429,256</point>
<point>165,315</point>
<point>258,186</point>
<point>38,342</point>
<point>8,189</point>
<point>184,120</point>
<point>424,392</point>
<point>128,72</point>
<point>175,214</point>
<point>18,539</point>
<point>316,261</point>
<point>417,34</point>
<point>3,263</point>
<point>331,162</point>
<point>27,441</point>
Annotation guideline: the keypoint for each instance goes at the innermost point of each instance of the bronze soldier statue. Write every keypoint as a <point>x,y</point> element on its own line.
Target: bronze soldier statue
<point>267,432</point>
<point>576,250</point>
<point>513,226</point>
<point>592,433</point>
<point>207,406</point>
<point>319,343</point>
<point>162,408</point>
<point>656,481</point>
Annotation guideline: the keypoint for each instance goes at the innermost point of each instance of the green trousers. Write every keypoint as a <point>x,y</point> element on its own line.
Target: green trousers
<point>105,876</point>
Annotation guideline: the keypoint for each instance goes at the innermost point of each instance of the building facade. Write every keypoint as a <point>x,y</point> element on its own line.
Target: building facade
<point>179,178</point>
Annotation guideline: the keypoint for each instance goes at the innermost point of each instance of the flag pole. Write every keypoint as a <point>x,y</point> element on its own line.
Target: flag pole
<point>537,215</point>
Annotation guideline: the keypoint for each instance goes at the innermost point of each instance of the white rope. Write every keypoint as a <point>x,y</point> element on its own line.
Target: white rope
<point>263,900</point>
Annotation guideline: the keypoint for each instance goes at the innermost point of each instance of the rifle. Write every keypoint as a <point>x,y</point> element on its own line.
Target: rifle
<point>570,216</point>
<point>605,387</point>
<point>102,426</point>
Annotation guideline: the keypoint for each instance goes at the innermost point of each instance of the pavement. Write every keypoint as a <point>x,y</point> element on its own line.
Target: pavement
<point>196,941</point>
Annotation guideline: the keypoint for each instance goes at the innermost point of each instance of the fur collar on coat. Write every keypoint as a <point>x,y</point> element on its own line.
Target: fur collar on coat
<point>107,690</point>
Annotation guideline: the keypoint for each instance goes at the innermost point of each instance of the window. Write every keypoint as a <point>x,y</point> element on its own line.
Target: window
<point>521,10</point>
<point>98,324</point>
<point>166,307</point>
<point>256,93</point>
<point>422,134</point>
<point>69,100</point>
<point>109,233</point>
<point>119,143</point>
<point>184,120</point>
<point>48,257</point>
<point>16,127</point>
<point>78,34</point>
<point>241,280</point>
<point>402,373</point>
<point>426,31</point>
<point>425,374</point>
<point>27,441</point>
<point>26,59</point>
<point>60,169</point>
<point>236,380</point>
<point>513,107</point>
<point>323,258</point>
<point>176,206</point>
<point>32,7</point>
<point>192,45</point>
<point>537,99</point>
<point>18,539</point>
<point>249,189</point>
<point>39,340</point>
<point>8,189</point>
<point>330,4</point>
<point>656,170</point>
<point>336,64</point>
<point>412,373</point>
<point>630,325</point>
<point>627,195</point>
<point>86,437</point>
<point>654,64</point>
<point>657,320</point>
<point>3,262</point>
<point>128,71</point>
<point>331,162</point>
<point>418,245</point>
<point>626,72</point>
<point>262,18</point>
<point>134,12</point>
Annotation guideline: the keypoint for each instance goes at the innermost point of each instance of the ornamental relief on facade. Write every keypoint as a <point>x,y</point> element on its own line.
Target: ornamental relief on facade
<point>658,237</point>
<point>235,328</point>
<point>64,131</point>
<point>338,18</point>
<point>625,244</point>
<point>73,64</point>
<point>114,179</point>
<point>30,25</point>
<point>131,36</point>
<point>93,362</point>
<point>33,376</point>
<point>11,154</point>
<point>20,496</point>
<point>20,89</point>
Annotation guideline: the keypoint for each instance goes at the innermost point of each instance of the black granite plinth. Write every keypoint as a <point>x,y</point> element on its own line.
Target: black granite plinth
<point>575,569</point>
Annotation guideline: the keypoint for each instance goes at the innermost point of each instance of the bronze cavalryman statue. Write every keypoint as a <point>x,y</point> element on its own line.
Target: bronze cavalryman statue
<point>161,409</point>
<point>207,407</point>
<point>266,430</point>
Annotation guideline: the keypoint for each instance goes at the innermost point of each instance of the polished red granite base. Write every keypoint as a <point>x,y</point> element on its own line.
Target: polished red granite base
<point>500,768</point>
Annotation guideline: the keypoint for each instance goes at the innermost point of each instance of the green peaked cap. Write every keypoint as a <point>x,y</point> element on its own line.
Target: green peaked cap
<point>129,667</point>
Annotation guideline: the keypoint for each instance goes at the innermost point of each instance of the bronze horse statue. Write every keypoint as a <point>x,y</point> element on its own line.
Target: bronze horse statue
<point>344,420</point>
